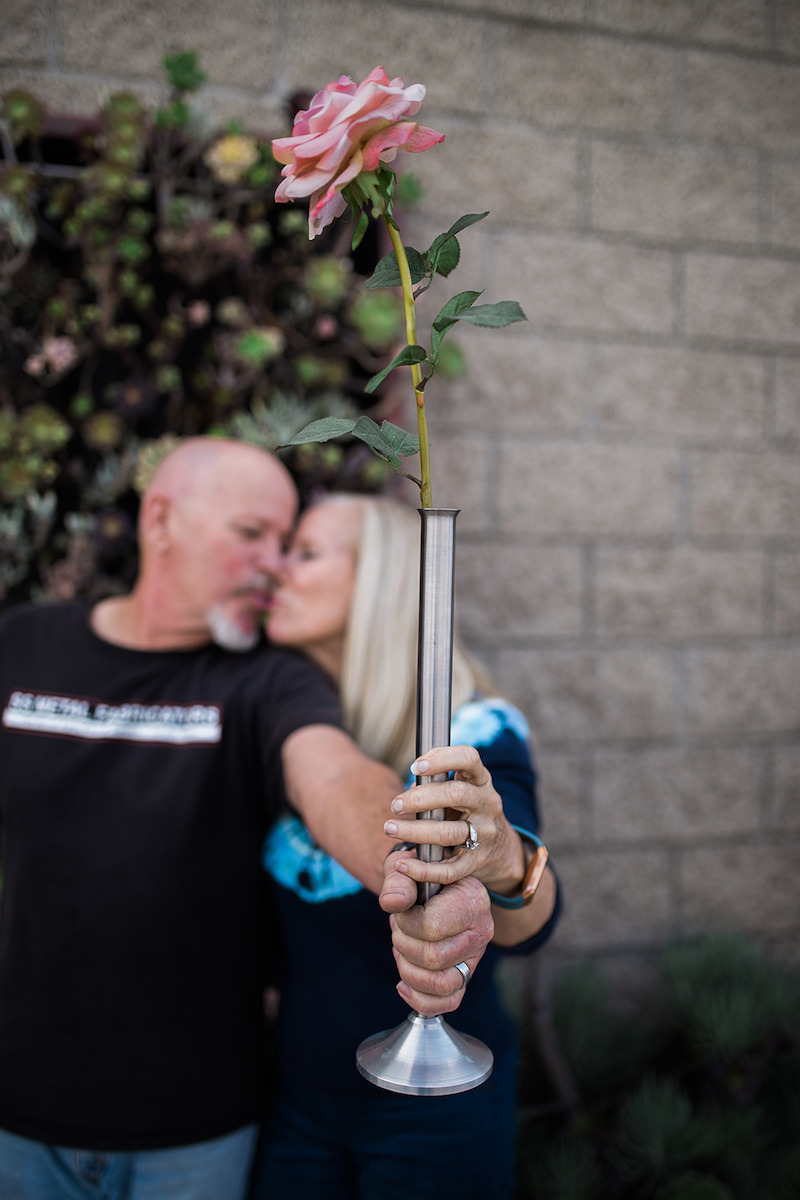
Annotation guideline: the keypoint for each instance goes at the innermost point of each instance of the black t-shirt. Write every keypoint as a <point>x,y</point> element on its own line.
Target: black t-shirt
<point>135,789</point>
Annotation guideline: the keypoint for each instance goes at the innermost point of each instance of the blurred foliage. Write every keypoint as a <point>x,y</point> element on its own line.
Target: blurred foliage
<point>695,1096</point>
<point>150,289</point>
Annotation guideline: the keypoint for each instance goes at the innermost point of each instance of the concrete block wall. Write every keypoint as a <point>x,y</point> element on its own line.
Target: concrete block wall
<point>628,461</point>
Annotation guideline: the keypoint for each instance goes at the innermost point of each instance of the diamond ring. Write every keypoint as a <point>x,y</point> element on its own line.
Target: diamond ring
<point>472,842</point>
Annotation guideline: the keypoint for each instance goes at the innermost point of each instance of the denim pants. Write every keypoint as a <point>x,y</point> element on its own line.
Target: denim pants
<point>213,1170</point>
<point>319,1145</point>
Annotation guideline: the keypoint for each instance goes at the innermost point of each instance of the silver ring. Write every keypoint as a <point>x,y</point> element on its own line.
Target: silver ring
<point>466,974</point>
<point>472,842</point>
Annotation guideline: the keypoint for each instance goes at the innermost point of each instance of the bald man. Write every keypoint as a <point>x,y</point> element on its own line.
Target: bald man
<point>146,744</point>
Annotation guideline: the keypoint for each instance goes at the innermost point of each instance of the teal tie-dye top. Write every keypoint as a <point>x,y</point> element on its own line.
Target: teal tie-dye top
<point>294,860</point>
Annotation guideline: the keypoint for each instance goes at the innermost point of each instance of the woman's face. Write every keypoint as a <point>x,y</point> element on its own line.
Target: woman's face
<point>309,609</point>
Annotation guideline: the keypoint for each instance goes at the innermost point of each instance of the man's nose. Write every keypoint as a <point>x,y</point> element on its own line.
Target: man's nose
<point>272,559</point>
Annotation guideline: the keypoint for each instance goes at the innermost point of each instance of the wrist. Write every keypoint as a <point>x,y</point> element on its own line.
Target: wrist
<point>502,873</point>
<point>535,856</point>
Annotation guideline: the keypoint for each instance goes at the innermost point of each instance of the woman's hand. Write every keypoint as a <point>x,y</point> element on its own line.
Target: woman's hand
<point>455,926</point>
<point>475,818</point>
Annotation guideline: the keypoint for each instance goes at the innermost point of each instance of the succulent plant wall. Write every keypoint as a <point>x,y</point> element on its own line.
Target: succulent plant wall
<point>150,289</point>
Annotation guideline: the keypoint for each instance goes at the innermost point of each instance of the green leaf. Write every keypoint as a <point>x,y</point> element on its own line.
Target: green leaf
<point>387,440</point>
<point>495,316</point>
<point>360,230</point>
<point>321,431</point>
<point>455,305</point>
<point>437,245</point>
<point>448,257</point>
<point>447,317</point>
<point>387,272</point>
<point>406,358</point>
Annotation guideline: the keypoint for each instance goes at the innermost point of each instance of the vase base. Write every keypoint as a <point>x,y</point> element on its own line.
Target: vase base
<point>424,1057</point>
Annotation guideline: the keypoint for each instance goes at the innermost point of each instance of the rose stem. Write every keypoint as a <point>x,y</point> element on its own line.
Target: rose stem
<point>416,368</point>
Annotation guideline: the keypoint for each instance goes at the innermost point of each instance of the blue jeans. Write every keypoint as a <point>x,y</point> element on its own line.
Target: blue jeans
<point>381,1145</point>
<point>213,1170</point>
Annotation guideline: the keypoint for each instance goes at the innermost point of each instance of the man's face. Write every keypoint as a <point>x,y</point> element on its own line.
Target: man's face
<point>227,549</point>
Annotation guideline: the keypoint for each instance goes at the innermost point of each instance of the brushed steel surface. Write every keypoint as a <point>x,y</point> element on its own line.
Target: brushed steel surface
<point>424,1056</point>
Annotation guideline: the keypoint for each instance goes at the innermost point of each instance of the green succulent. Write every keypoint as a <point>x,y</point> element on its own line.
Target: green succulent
<point>19,476</point>
<point>17,182</point>
<point>183,71</point>
<point>123,108</point>
<point>378,319</point>
<point>168,378</point>
<point>19,224</point>
<point>138,189</point>
<point>149,455</point>
<point>103,431</point>
<point>123,154</point>
<point>173,326</point>
<point>81,405</point>
<point>315,372</point>
<point>293,222</point>
<point>233,311</point>
<point>132,249</point>
<point>23,113</point>
<point>8,423</point>
<point>173,116</point>
<point>119,337</point>
<point>327,279</point>
<point>221,231</point>
<point>111,179</point>
<point>45,428</point>
<point>260,346</point>
<point>259,234</point>
<point>149,295</point>
<point>139,220</point>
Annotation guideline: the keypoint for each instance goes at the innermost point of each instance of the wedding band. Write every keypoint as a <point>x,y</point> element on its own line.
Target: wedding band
<point>472,842</point>
<point>466,974</point>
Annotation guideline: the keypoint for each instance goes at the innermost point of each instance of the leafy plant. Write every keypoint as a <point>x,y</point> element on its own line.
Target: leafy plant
<point>695,1098</point>
<point>151,289</point>
<point>659,1132</point>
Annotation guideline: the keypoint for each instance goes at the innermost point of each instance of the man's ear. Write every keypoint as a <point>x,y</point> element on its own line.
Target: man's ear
<point>154,521</point>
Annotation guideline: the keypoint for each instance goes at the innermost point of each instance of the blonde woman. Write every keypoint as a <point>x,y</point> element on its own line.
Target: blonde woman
<point>349,601</point>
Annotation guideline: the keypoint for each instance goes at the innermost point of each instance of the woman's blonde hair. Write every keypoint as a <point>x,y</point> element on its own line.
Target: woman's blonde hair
<point>378,680</point>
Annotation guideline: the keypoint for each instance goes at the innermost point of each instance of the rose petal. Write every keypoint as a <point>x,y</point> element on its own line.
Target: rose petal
<point>346,129</point>
<point>323,216</point>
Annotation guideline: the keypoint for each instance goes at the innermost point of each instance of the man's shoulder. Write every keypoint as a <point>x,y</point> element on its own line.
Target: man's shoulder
<point>23,616</point>
<point>286,685</point>
<point>280,664</point>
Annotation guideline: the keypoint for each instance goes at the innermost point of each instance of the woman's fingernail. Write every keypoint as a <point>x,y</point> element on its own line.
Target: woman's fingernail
<point>390,828</point>
<point>421,767</point>
<point>402,867</point>
<point>397,804</point>
<point>404,990</point>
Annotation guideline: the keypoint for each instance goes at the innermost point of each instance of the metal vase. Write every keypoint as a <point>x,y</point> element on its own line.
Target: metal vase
<point>423,1056</point>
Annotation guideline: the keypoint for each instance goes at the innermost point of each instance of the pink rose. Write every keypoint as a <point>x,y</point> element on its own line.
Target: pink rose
<point>348,128</point>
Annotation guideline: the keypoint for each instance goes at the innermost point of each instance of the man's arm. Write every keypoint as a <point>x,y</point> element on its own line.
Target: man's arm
<point>343,798</point>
